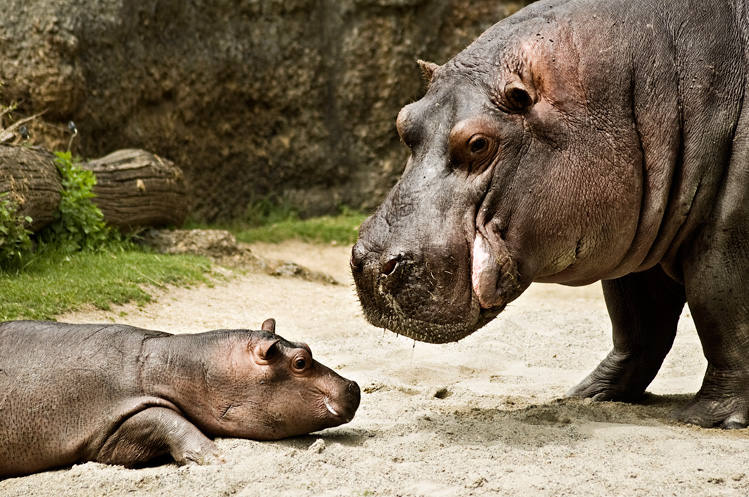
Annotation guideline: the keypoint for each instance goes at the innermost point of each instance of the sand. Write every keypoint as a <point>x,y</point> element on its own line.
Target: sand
<point>484,416</point>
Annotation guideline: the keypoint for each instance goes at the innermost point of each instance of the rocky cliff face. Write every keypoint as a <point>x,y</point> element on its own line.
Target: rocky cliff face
<point>250,97</point>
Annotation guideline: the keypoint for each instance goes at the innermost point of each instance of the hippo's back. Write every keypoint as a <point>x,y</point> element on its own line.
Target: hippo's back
<point>62,388</point>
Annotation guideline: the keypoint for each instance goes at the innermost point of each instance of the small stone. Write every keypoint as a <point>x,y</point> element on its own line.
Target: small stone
<point>440,393</point>
<point>478,482</point>
<point>318,446</point>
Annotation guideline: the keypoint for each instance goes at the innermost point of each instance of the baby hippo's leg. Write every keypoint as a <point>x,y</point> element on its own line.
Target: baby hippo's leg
<point>156,431</point>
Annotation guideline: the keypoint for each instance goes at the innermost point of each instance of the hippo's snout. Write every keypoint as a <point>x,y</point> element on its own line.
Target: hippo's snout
<point>343,406</point>
<point>414,287</point>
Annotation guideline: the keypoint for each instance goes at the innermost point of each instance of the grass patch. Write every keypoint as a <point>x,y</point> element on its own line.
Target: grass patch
<point>342,229</point>
<point>273,221</point>
<point>57,279</point>
<point>55,282</point>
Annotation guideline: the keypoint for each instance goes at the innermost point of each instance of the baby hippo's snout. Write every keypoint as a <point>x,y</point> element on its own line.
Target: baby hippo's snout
<point>343,401</point>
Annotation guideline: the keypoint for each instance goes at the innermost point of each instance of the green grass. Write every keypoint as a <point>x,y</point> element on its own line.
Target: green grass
<point>55,282</point>
<point>275,223</point>
<point>342,229</point>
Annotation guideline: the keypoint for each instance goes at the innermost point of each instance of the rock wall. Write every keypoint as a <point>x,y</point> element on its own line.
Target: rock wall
<point>296,98</point>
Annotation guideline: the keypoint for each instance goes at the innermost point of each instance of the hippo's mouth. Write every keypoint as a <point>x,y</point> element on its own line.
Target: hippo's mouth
<point>345,415</point>
<point>431,332</point>
<point>410,311</point>
<point>343,405</point>
<point>482,266</point>
<point>330,407</point>
<point>439,293</point>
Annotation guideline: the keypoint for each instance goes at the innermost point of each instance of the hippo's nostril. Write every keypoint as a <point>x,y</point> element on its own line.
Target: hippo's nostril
<point>357,257</point>
<point>353,388</point>
<point>354,263</point>
<point>389,267</point>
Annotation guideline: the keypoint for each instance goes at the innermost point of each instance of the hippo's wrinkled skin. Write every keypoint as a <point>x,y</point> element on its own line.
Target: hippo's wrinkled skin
<point>123,395</point>
<point>576,141</point>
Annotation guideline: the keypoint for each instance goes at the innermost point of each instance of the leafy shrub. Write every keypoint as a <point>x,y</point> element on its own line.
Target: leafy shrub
<point>78,223</point>
<point>14,237</point>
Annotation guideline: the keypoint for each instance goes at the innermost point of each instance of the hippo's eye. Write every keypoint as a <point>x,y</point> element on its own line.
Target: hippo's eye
<point>473,144</point>
<point>477,144</point>
<point>480,150</point>
<point>301,362</point>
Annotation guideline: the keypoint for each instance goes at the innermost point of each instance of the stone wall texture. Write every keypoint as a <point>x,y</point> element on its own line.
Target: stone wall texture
<point>291,98</point>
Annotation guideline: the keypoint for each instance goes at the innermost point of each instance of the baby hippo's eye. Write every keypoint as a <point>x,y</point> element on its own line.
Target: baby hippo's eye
<point>301,362</point>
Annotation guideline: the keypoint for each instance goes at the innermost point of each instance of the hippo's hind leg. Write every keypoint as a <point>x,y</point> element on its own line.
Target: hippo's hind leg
<point>156,431</point>
<point>644,309</point>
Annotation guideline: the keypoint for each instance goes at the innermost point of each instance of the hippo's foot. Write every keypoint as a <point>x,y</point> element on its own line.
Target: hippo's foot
<point>198,451</point>
<point>722,401</point>
<point>619,377</point>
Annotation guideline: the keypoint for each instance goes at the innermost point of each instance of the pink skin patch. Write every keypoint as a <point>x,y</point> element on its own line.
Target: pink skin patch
<point>482,260</point>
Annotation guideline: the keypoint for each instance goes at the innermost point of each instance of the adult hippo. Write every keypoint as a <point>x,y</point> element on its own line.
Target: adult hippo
<point>576,141</point>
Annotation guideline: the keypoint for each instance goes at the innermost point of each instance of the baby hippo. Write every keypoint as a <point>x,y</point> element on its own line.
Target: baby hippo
<point>123,395</point>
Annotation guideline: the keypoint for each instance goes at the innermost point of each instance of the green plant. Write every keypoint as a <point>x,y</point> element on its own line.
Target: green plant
<point>78,223</point>
<point>14,237</point>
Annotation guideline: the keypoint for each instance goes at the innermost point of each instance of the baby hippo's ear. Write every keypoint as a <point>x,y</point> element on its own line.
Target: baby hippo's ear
<point>269,325</point>
<point>265,351</point>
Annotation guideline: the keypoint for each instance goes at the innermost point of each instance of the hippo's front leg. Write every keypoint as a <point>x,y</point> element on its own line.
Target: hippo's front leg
<point>156,431</point>
<point>717,284</point>
<point>644,310</point>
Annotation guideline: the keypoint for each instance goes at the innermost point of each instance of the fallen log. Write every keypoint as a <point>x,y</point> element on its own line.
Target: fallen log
<point>33,182</point>
<point>136,189</point>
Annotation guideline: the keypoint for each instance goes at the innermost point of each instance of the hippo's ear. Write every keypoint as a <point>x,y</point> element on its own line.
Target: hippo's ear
<point>265,351</point>
<point>269,325</point>
<point>519,97</point>
<point>427,69</point>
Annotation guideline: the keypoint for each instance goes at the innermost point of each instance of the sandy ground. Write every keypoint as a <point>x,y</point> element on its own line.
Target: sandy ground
<point>480,417</point>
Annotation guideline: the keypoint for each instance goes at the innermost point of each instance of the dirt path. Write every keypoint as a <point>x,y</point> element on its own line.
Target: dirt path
<point>479,417</point>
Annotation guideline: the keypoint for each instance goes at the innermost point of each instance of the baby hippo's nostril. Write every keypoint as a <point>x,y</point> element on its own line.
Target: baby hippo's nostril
<point>389,267</point>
